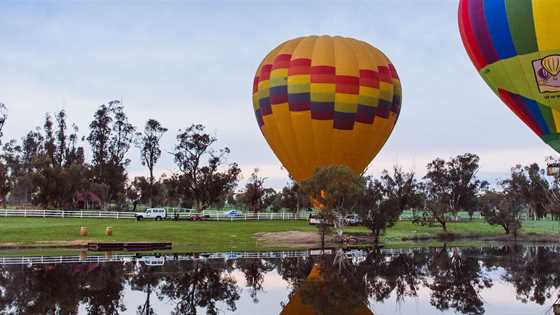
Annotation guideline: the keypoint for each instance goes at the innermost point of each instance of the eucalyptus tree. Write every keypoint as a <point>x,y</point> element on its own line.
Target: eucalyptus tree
<point>206,177</point>
<point>111,136</point>
<point>149,144</point>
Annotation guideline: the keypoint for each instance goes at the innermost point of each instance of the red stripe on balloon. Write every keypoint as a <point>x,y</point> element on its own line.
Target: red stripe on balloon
<point>384,74</point>
<point>394,74</point>
<point>323,70</point>
<point>256,84</point>
<point>265,73</point>
<point>300,62</point>
<point>299,66</point>
<point>369,78</point>
<point>465,28</point>
<point>282,61</point>
<point>347,84</point>
<point>515,103</point>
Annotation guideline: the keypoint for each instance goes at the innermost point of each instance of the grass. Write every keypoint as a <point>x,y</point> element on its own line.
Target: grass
<point>221,236</point>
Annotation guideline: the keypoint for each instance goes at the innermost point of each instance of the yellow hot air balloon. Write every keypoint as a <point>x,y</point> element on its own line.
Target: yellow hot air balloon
<point>551,64</point>
<point>323,100</point>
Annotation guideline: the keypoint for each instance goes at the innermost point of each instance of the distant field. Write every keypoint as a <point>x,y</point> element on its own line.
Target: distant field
<point>217,236</point>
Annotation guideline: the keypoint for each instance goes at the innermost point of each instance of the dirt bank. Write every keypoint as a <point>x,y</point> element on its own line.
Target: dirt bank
<point>296,239</point>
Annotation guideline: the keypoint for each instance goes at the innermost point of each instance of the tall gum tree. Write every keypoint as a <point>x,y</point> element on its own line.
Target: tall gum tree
<point>149,144</point>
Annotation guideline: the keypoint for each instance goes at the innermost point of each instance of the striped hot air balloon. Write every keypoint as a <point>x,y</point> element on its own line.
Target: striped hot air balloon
<point>322,100</point>
<point>515,46</point>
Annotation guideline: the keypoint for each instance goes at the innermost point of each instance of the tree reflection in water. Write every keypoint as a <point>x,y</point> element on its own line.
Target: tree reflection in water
<point>456,281</point>
<point>254,271</point>
<point>199,284</point>
<point>329,289</point>
<point>454,278</point>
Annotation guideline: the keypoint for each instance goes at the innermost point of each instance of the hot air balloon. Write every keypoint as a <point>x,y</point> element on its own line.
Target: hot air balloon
<point>322,100</point>
<point>515,46</point>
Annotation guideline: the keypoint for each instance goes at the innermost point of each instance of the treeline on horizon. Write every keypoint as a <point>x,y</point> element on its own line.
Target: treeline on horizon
<point>47,168</point>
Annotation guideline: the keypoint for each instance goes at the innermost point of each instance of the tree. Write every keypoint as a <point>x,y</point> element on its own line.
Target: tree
<point>401,187</point>
<point>3,118</point>
<point>58,167</point>
<point>376,211</point>
<point>384,200</point>
<point>47,168</point>
<point>503,209</point>
<point>269,198</point>
<point>150,152</point>
<point>204,183</point>
<point>451,186</point>
<point>110,137</point>
<point>529,183</point>
<point>5,185</point>
<point>293,198</point>
<point>437,192</point>
<point>255,192</point>
<point>335,190</point>
<point>465,185</point>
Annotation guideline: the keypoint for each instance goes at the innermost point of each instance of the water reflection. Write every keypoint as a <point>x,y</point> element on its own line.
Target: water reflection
<point>448,280</point>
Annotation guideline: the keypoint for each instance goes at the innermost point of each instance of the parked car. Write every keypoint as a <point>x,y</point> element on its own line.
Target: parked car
<point>233,214</point>
<point>198,217</point>
<point>151,213</point>
<point>315,219</point>
<point>352,219</point>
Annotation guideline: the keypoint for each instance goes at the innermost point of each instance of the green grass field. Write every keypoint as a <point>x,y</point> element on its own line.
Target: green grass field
<point>219,236</point>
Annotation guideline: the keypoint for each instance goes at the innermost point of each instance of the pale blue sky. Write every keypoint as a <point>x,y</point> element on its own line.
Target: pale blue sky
<point>194,62</point>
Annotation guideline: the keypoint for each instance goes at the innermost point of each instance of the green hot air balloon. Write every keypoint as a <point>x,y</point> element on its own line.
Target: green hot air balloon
<point>515,46</point>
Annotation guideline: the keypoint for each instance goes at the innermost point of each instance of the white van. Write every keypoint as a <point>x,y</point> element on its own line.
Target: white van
<point>151,213</point>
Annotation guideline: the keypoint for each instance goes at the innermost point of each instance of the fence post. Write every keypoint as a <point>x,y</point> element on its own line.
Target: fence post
<point>63,213</point>
<point>117,215</point>
<point>44,213</point>
<point>258,216</point>
<point>283,215</point>
<point>25,213</point>
<point>82,214</point>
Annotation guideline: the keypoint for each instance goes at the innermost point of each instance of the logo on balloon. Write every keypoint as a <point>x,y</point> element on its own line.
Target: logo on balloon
<point>547,72</point>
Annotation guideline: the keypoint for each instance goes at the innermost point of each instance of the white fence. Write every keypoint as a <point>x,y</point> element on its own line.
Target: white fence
<point>161,259</point>
<point>209,215</point>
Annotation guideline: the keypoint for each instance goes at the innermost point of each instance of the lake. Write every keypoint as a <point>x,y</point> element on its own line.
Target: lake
<point>500,279</point>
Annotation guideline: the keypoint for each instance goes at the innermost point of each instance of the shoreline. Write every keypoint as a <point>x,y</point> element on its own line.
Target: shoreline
<point>268,243</point>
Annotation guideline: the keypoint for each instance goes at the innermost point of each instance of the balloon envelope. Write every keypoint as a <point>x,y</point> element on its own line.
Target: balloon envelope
<point>322,100</point>
<point>515,46</point>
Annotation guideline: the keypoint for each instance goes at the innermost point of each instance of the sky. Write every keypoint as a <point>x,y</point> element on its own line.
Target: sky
<point>194,62</point>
